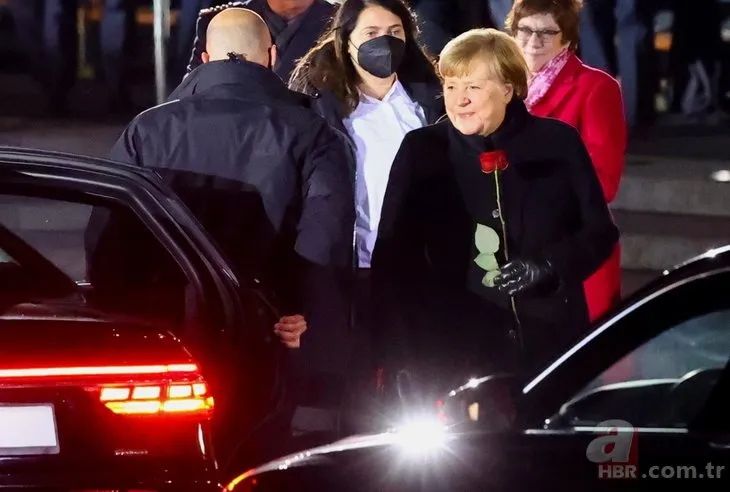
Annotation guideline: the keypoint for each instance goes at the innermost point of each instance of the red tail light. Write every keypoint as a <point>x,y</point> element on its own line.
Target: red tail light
<point>133,390</point>
<point>166,397</point>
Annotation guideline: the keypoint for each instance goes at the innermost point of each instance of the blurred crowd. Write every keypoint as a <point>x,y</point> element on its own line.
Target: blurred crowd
<point>625,38</point>
<point>669,55</point>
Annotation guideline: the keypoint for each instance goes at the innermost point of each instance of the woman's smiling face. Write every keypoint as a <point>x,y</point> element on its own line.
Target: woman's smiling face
<point>475,102</point>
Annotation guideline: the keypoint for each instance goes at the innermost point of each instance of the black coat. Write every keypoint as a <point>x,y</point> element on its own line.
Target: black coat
<point>292,43</point>
<point>553,208</point>
<point>267,178</point>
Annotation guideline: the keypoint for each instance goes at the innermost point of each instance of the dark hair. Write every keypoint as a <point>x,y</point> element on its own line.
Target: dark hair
<point>566,13</point>
<point>328,65</point>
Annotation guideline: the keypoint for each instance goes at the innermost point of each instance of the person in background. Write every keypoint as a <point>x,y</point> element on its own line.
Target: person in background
<point>295,26</point>
<point>498,11</point>
<point>562,87</point>
<point>442,20</point>
<point>492,221</point>
<point>188,12</point>
<point>633,58</point>
<point>268,180</point>
<point>373,82</point>
<point>47,32</point>
<point>696,57</point>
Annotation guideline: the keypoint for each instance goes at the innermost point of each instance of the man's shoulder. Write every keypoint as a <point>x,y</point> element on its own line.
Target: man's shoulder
<point>258,7</point>
<point>329,5</point>
<point>159,112</point>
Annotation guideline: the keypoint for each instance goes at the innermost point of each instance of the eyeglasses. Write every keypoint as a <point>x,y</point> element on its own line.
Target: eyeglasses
<point>525,33</point>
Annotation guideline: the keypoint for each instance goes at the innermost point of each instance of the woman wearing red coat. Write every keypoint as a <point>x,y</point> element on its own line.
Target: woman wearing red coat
<point>562,87</point>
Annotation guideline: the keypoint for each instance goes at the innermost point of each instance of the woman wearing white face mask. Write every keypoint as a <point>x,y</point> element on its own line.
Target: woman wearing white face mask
<point>371,79</point>
<point>562,87</point>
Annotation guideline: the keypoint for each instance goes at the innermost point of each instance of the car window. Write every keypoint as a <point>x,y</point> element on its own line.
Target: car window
<point>104,247</point>
<point>664,382</point>
<point>698,343</point>
<point>5,258</point>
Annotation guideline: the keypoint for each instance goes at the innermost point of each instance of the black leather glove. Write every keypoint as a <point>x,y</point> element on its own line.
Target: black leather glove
<point>520,275</point>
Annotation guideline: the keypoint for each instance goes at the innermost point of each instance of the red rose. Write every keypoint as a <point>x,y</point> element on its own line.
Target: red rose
<point>495,160</point>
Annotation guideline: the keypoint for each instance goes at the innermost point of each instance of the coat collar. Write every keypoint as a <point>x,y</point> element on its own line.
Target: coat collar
<point>507,138</point>
<point>562,86</point>
<point>515,119</point>
<point>242,77</point>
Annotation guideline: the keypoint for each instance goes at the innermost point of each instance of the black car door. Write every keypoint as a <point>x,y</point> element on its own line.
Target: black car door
<point>642,399</point>
<point>156,262</point>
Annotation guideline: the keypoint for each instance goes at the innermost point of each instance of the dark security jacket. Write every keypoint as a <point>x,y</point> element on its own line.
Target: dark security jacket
<point>266,177</point>
<point>292,40</point>
<point>553,209</point>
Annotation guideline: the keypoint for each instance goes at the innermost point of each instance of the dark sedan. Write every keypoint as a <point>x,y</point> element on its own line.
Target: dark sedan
<point>639,402</point>
<point>141,370</point>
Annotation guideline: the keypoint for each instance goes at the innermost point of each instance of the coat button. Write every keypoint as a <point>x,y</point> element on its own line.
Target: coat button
<point>495,213</point>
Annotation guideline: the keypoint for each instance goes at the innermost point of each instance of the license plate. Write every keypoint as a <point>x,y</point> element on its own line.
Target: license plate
<point>28,430</point>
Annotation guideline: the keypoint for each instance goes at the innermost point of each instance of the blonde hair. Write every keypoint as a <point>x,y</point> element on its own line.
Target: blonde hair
<point>497,50</point>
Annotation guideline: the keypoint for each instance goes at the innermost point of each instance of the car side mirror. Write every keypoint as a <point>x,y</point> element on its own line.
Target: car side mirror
<point>486,404</point>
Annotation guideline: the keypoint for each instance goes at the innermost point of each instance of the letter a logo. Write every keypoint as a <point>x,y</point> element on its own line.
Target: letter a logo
<point>616,445</point>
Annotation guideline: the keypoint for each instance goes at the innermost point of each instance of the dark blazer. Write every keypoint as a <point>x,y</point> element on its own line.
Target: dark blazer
<point>553,207</point>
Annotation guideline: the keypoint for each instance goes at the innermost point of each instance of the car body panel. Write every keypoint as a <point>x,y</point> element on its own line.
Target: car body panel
<point>533,451</point>
<point>98,448</point>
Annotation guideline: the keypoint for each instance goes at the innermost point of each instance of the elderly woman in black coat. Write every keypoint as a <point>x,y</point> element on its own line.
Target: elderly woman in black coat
<point>492,220</point>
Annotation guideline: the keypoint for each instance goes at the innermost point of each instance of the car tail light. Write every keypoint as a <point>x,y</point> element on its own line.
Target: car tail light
<point>165,397</point>
<point>132,390</point>
<point>180,392</point>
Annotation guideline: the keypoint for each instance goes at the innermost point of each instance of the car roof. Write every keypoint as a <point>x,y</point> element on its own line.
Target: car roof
<point>74,162</point>
<point>707,262</point>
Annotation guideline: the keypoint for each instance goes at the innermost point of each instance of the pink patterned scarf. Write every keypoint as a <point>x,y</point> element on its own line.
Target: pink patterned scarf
<point>540,83</point>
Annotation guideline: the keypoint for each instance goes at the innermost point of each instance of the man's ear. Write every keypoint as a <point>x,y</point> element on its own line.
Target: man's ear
<point>205,57</point>
<point>273,55</point>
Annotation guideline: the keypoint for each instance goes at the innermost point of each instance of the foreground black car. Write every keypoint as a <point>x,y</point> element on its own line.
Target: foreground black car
<point>149,379</point>
<point>641,401</point>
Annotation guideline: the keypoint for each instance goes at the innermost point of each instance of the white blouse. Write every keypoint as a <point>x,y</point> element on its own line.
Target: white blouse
<point>377,127</point>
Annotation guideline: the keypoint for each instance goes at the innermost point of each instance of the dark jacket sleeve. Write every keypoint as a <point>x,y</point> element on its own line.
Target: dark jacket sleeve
<point>126,149</point>
<point>576,257</point>
<point>398,263</point>
<point>324,246</point>
<point>325,230</point>
<point>394,255</point>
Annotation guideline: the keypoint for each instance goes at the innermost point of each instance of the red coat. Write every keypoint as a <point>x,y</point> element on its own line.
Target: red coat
<point>590,100</point>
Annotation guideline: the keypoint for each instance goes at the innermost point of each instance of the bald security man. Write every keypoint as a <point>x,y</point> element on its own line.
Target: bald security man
<point>270,181</point>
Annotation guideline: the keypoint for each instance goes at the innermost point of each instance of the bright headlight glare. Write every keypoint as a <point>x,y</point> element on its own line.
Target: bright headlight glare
<point>421,436</point>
